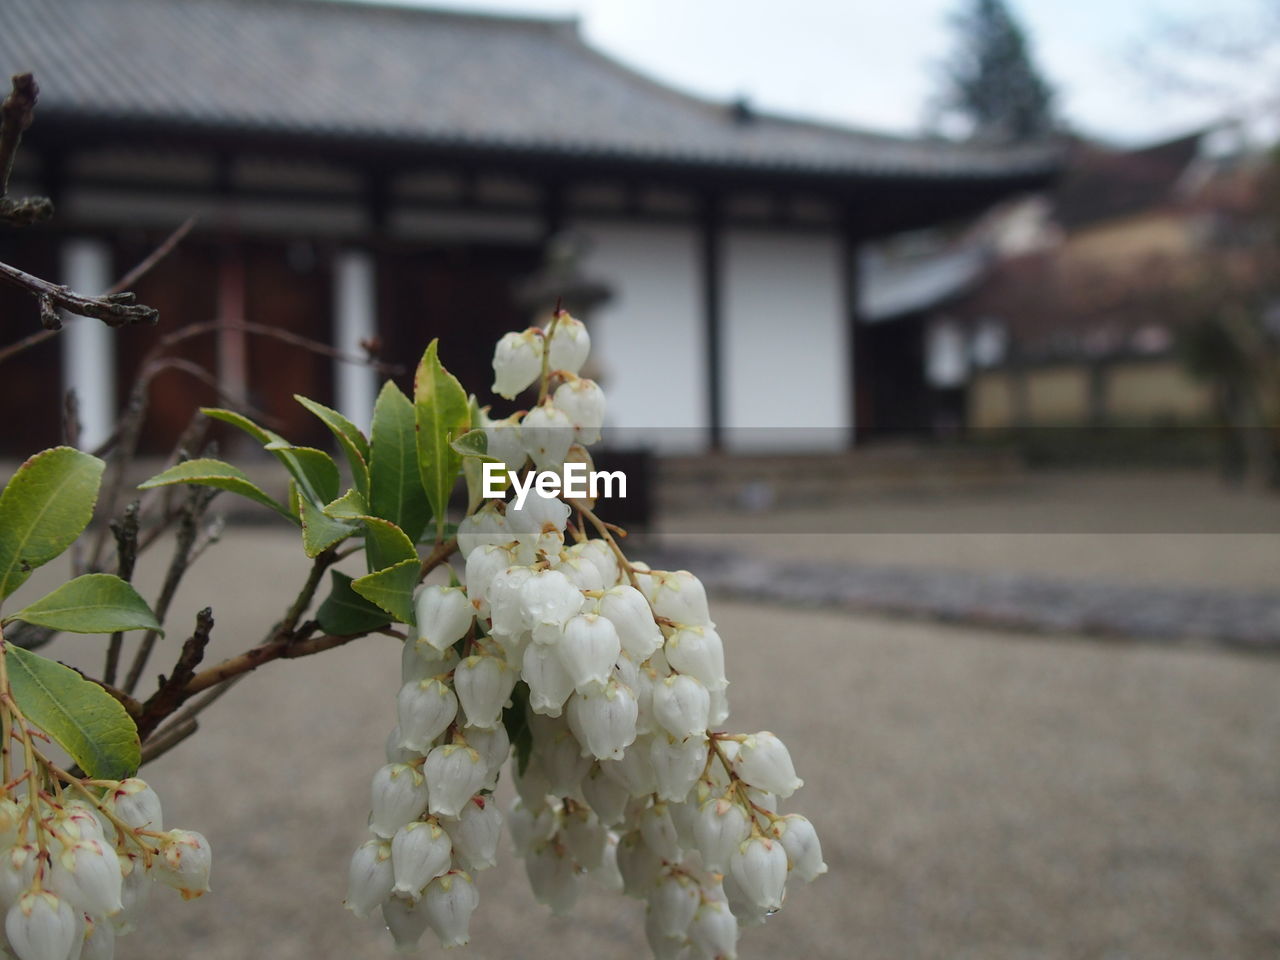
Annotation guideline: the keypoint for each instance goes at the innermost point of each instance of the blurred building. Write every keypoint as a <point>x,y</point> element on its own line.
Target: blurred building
<point>379,174</point>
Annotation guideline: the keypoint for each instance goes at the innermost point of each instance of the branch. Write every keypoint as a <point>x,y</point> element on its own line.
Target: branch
<point>113,309</point>
<point>439,555</point>
<point>171,692</point>
<point>125,531</point>
<point>16,113</point>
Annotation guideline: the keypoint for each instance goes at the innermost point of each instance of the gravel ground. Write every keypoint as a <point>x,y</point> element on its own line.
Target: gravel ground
<point>979,794</point>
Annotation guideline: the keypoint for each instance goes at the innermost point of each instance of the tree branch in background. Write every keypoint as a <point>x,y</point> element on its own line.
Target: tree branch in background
<point>16,113</point>
<point>113,309</point>
<point>171,691</point>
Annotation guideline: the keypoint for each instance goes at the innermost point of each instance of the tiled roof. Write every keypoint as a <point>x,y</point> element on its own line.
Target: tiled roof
<point>427,78</point>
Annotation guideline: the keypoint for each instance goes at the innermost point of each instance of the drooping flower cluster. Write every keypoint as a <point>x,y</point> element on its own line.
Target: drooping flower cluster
<point>615,674</point>
<point>77,867</point>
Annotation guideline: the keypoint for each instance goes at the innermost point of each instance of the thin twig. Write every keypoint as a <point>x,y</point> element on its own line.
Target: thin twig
<point>439,555</point>
<point>169,696</point>
<point>16,114</point>
<point>171,737</point>
<point>145,266</point>
<point>126,533</point>
<point>114,309</point>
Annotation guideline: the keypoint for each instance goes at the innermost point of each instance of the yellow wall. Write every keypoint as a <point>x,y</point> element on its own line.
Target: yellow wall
<point>1058,395</point>
<point>1159,389</point>
<point>991,401</point>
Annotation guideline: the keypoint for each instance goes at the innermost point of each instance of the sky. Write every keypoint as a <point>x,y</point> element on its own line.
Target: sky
<point>874,63</point>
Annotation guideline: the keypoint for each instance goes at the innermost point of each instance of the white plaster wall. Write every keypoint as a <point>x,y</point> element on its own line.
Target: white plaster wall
<point>88,345</point>
<point>784,342</point>
<point>647,342</point>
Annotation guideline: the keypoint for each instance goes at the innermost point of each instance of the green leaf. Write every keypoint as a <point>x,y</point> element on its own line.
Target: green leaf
<point>516,719</point>
<point>349,437</point>
<point>473,443</point>
<point>441,414</point>
<point>385,544</point>
<point>206,472</point>
<point>320,531</point>
<point>391,589</point>
<point>345,612</point>
<point>350,506</point>
<point>84,719</point>
<point>315,471</point>
<point>395,489</point>
<point>93,603</point>
<point>261,434</point>
<point>44,508</point>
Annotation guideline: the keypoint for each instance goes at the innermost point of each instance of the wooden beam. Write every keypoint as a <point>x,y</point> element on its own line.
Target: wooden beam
<point>712,300</point>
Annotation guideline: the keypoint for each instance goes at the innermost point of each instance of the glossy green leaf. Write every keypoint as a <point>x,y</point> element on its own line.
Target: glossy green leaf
<point>84,719</point>
<point>391,589</point>
<point>395,488</point>
<point>442,415</point>
<point>350,506</point>
<point>93,603</point>
<point>516,719</point>
<point>350,439</point>
<point>45,506</point>
<point>241,422</point>
<point>345,612</point>
<point>320,531</point>
<point>314,470</point>
<point>385,544</point>
<point>206,472</point>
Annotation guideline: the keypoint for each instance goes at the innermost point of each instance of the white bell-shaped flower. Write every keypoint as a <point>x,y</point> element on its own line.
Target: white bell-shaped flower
<point>396,753</point>
<point>486,526</point>
<point>135,893</point>
<point>530,826</point>
<point>548,598</point>
<point>506,612</point>
<point>494,747</point>
<point>407,922</point>
<point>475,833</point>
<point>569,344</point>
<point>483,683</point>
<point>588,650</point>
<point>582,573</point>
<point>607,873</point>
<point>602,556</point>
<point>764,762</point>
<point>674,901</point>
<point>41,926</point>
<point>634,771</point>
<point>720,828</point>
<point>683,814</point>
<point>398,795</point>
<point>370,877</point>
<point>759,867</point>
<point>699,652</point>
<point>444,615</point>
<point>549,682</point>
<point>629,612</point>
<point>134,802</point>
<point>531,783</point>
<point>679,596</point>
<point>502,438</point>
<point>561,754</point>
<point>483,564</point>
<point>677,764</point>
<point>719,710</point>
<point>604,719</point>
<point>420,852</point>
<point>414,665</point>
<point>183,863</point>
<point>659,831</point>
<point>639,865</point>
<point>583,401</point>
<point>547,434</point>
<point>455,773</point>
<point>17,870</point>
<point>553,877</point>
<point>99,940</point>
<point>424,710</point>
<point>800,841</point>
<point>583,836</point>
<point>517,362</point>
<point>448,904</point>
<point>747,912</point>
<point>87,875</point>
<point>607,797</point>
<point>714,931</point>
<point>681,705</point>
<point>664,947</point>
<point>539,513</point>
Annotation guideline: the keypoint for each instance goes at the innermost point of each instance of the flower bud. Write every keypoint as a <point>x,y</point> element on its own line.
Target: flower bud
<point>547,434</point>
<point>41,926</point>
<point>539,513</point>
<point>494,747</point>
<point>583,836</point>
<point>560,753</point>
<point>517,362</point>
<point>475,833</point>
<point>548,597</point>
<point>483,683</point>
<point>454,775</point>
<point>424,710</point>
<point>87,876</point>
<point>399,794</point>
<point>583,401</point>
<point>759,867</point>
<point>634,771</point>
<point>606,561</point>
<point>448,903</point>
<point>699,652</point>
<point>677,764</point>
<point>135,893</point>
<point>136,804</point>
<point>444,615</point>
<point>627,609</point>
<point>714,931</point>
<point>549,682</point>
<point>638,864</point>
<point>664,947</point>
<point>394,752</point>
<point>607,797</point>
<point>414,666</point>
<point>800,841</point>
<point>481,528</point>
<point>720,829</point>
<point>370,877</point>
<point>183,863</point>
<point>745,911</point>
<point>553,877</point>
<point>588,650</point>
<point>483,564</point>
<point>99,940</point>
<point>582,573</point>
<point>407,922</point>
<point>420,852</point>
<point>505,609</point>
<point>17,871</point>
<point>673,903</point>
<point>502,439</point>
<point>719,709</point>
<point>681,705</point>
<point>607,873</point>
<point>604,719</point>
<point>569,344</point>
<point>764,762</point>
<point>659,832</point>
<point>679,596</point>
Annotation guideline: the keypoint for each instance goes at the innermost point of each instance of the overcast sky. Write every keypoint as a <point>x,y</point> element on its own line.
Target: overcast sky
<point>874,63</point>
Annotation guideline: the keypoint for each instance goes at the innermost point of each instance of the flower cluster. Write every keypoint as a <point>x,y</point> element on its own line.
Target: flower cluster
<point>614,675</point>
<point>78,862</point>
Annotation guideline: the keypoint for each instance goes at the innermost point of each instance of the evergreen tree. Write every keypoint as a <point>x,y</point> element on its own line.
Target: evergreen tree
<point>991,82</point>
